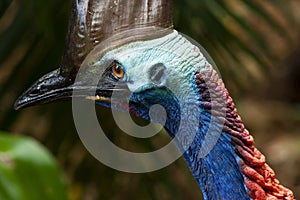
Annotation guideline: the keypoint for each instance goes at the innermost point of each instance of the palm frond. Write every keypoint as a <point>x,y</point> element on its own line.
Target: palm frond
<point>253,35</point>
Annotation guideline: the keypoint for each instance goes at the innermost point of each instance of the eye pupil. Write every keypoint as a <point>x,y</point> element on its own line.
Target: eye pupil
<point>118,71</point>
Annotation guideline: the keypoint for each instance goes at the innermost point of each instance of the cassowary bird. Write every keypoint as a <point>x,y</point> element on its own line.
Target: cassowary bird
<point>130,47</point>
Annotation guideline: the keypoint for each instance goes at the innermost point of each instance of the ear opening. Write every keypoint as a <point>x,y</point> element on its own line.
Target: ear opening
<point>157,73</point>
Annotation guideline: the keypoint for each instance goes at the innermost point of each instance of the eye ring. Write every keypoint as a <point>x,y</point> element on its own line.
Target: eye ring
<point>118,70</point>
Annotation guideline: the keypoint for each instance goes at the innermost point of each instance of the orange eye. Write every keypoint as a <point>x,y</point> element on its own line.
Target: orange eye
<point>118,71</point>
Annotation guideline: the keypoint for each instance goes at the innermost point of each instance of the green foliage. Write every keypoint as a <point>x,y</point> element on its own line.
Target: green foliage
<point>28,171</point>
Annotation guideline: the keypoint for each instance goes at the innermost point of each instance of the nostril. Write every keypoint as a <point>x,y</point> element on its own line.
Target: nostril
<point>35,91</point>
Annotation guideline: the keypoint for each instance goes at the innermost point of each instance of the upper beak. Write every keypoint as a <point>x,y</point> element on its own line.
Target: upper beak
<point>50,87</point>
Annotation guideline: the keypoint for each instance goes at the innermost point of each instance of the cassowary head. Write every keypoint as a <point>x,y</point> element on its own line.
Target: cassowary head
<point>99,32</point>
<point>134,76</point>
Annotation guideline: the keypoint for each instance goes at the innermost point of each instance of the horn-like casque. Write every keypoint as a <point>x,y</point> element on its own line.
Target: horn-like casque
<point>93,21</point>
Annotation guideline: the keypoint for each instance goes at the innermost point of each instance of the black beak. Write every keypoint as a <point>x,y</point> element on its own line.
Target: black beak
<point>50,87</point>
<point>54,87</point>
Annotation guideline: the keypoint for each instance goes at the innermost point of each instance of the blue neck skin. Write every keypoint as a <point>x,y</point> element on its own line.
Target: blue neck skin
<point>218,174</point>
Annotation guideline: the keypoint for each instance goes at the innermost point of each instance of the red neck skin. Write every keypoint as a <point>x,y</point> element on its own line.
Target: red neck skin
<point>258,175</point>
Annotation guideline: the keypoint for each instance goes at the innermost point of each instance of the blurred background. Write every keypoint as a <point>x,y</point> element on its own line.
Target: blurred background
<point>255,44</point>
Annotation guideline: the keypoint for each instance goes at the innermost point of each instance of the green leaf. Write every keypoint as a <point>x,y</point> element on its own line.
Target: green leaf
<point>28,171</point>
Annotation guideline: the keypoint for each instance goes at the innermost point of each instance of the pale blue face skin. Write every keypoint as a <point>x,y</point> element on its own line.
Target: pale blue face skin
<point>169,62</point>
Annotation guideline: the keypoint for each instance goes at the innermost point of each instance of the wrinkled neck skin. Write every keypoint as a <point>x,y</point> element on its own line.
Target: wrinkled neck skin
<point>202,118</point>
<point>217,170</point>
<point>218,173</point>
